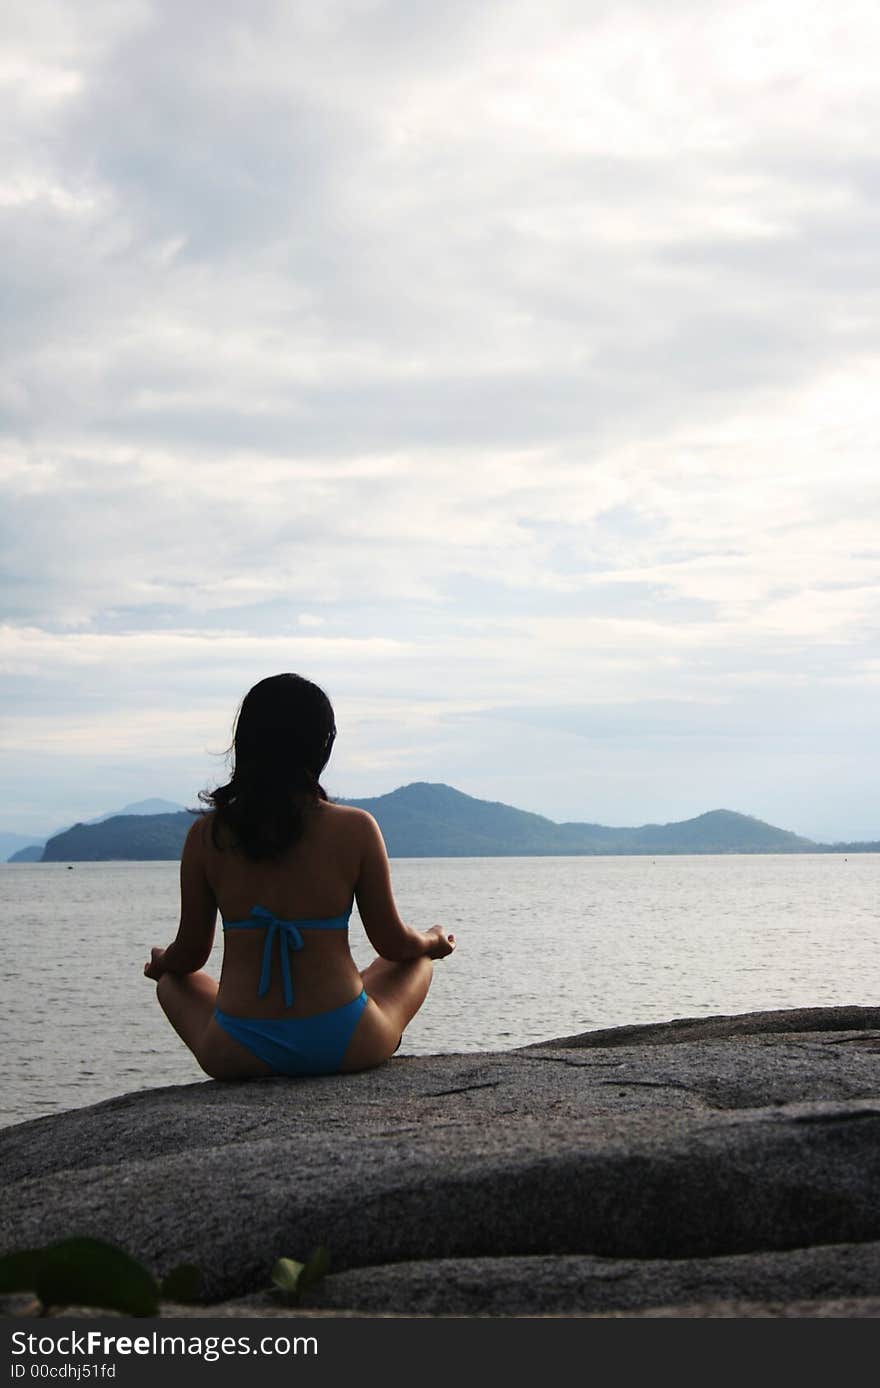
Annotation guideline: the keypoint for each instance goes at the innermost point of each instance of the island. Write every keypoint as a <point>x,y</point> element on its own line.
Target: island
<point>428,820</point>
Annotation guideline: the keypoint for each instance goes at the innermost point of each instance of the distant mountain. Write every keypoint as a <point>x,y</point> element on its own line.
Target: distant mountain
<point>32,854</point>
<point>426,820</point>
<point>435,821</point>
<point>14,843</point>
<point>143,837</point>
<point>30,850</point>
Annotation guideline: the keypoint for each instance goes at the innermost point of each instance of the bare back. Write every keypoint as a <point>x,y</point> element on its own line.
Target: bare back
<point>316,879</point>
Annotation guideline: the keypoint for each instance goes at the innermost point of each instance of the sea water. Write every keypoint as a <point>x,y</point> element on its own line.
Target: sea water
<point>546,947</point>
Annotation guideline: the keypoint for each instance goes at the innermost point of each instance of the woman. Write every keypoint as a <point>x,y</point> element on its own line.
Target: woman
<point>283,866</point>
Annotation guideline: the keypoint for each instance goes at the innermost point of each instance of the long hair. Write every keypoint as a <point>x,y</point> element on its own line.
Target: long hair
<point>283,737</point>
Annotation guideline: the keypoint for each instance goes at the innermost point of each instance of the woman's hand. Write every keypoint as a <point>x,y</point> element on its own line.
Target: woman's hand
<point>153,968</point>
<point>440,944</point>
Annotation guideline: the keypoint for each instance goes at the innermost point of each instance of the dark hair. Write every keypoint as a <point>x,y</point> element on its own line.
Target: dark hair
<point>283,737</point>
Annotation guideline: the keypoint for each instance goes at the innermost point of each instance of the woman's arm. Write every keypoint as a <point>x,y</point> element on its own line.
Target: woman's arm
<point>388,934</point>
<point>189,951</point>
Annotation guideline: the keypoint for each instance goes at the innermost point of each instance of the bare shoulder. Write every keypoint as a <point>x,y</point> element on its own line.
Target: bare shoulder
<point>199,832</point>
<point>349,820</point>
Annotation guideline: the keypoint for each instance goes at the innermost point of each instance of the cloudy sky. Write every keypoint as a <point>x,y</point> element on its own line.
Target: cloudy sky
<point>509,367</point>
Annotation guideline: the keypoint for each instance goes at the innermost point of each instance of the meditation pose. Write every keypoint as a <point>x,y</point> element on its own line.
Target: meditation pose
<point>283,865</point>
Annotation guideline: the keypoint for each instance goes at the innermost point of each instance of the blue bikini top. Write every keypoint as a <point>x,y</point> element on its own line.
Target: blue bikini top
<point>289,938</point>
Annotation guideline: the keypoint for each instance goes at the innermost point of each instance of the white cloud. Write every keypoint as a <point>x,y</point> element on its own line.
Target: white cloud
<point>472,357</point>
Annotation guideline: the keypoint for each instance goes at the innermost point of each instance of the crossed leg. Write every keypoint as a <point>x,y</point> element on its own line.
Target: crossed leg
<point>188,1002</point>
<point>395,991</point>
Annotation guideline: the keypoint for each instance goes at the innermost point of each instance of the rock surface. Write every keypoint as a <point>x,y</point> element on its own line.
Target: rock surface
<point>720,1167</point>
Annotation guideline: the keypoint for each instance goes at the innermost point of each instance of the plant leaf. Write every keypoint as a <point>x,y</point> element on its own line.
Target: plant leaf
<point>89,1272</point>
<point>316,1268</point>
<point>184,1283</point>
<point>293,1277</point>
<point>286,1274</point>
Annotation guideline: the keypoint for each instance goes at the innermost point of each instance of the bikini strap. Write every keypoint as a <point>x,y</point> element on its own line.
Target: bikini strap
<point>289,937</point>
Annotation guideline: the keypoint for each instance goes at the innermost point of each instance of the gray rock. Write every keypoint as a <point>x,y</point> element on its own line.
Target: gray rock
<point>571,1283</point>
<point>795,1019</point>
<point>713,1162</point>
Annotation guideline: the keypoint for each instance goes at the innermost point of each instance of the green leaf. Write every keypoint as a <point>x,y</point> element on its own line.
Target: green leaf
<point>19,1270</point>
<point>316,1268</point>
<point>89,1272</point>
<point>286,1274</point>
<point>293,1277</point>
<point>184,1283</point>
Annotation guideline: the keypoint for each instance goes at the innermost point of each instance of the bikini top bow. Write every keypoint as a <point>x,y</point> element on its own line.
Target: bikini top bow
<point>289,937</point>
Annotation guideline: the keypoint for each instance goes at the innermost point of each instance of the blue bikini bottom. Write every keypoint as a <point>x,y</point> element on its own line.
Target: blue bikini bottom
<point>298,1045</point>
